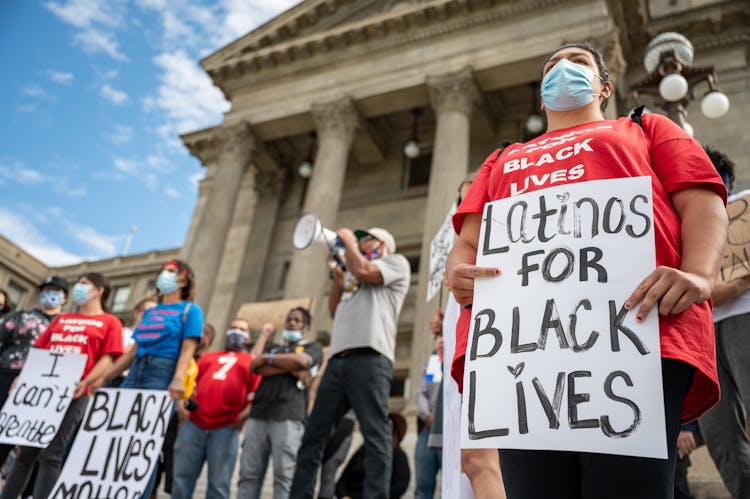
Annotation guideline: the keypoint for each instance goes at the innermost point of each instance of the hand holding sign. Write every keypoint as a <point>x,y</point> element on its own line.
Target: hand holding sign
<point>461,280</point>
<point>673,290</point>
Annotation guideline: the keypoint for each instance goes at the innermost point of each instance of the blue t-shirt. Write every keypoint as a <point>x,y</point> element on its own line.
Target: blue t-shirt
<point>162,329</point>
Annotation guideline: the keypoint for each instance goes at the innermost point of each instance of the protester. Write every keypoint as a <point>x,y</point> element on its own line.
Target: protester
<point>210,432</point>
<point>360,369</point>
<point>427,460</point>
<point>687,441</point>
<point>20,329</point>
<point>98,334</point>
<point>167,337</point>
<point>5,304</point>
<point>351,483</point>
<point>277,417</point>
<point>723,427</point>
<point>337,448</point>
<point>690,230</point>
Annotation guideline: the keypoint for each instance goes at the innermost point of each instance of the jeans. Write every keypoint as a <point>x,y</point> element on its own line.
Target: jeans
<point>541,474</point>
<point>723,427</point>
<point>360,380</point>
<point>280,440</point>
<point>150,373</point>
<point>50,458</point>
<point>427,462</point>
<point>194,446</point>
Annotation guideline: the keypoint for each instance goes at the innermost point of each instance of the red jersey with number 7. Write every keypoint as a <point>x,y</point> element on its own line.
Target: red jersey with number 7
<point>223,388</point>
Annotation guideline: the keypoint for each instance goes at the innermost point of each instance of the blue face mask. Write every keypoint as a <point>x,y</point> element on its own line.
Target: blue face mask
<point>291,336</point>
<point>50,298</point>
<point>80,293</point>
<point>236,339</point>
<point>167,282</point>
<point>567,86</point>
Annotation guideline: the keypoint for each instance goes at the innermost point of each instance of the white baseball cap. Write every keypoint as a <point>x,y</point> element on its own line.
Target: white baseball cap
<point>380,234</point>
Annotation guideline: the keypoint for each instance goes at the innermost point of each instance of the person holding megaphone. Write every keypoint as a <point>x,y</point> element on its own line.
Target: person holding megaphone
<point>365,302</point>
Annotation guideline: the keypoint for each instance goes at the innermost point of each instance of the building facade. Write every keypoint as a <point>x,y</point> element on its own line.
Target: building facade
<point>346,83</point>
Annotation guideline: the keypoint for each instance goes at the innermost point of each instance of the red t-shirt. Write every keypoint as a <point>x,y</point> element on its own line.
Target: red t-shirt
<point>608,150</point>
<point>222,388</point>
<point>94,335</point>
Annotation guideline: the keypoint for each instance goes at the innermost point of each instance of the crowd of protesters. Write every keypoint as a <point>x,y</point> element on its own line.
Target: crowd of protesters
<point>250,401</point>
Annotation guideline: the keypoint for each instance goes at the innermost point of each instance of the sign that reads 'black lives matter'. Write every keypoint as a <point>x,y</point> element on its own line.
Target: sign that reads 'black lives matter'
<point>35,407</point>
<point>117,446</point>
<point>554,360</point>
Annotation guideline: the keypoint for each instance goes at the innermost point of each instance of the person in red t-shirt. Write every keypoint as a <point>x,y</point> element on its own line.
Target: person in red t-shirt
<point>211,431</point>
<point>690,226</point>
<point>98,334</point>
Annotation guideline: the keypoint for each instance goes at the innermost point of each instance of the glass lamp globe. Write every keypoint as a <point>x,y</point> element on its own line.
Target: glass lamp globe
<point>411,149</point>
<point>305,169</point>
<point>715,105</point>
<point>534,123</point>
<point>673,87</point>
<point>688,129</point>
<point>666,42</point>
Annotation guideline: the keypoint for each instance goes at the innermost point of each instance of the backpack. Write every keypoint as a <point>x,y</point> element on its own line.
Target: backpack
<point>191,373</point>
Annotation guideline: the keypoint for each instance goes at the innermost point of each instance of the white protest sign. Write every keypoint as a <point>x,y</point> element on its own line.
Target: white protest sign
<point>117,446</point>
<point>36,406</point>
<point>439,248</point>
<point>554,361</point>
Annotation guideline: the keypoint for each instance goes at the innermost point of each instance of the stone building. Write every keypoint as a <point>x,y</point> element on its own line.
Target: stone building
<point>346,83</point>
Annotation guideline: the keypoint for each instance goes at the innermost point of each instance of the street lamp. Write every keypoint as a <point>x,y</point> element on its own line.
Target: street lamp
<point>672,79</point>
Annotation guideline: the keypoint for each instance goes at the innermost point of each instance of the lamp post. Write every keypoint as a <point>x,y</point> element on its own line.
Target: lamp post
<point>672,80</point>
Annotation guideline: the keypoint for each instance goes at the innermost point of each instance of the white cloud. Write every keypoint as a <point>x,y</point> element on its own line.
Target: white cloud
<point>196,178</point>
<point>25,175</point>
<point>143,170</point>
<point>121,134</point>
<point>126,165</point>
<point>113,95</point>
<point>24,233</point>
<point>172,192</point>
<point>93,41</point>
<point>186,94</point>
<point>61,77</point>
<point>37,92</point>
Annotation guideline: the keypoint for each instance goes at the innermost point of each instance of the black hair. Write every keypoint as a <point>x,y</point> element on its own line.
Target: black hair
<point>9,306</point>
<point>722,163</point>
<point>100,282</point>
<point>306,317</point>
<point>598,58</point>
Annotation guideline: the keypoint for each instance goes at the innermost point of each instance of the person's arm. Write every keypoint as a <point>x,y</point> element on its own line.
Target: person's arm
<point>337,288</point>
<point>265,333</point>
<point>99,369</point>
<point>726,291</point>
<point>360,267</point>
<point>243,415</point>
<point>704,235</point>
<point>423,398</point>
<point>460,267</point>
<point>280,363</point>
<point>176,388</point>
<point>122,363</point>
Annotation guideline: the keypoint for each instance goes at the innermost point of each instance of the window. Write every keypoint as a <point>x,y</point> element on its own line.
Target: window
<point>417,170</point>
<point>16,293</point>
<point>284,273</point>
<point>414,263</point>
<point>119,300</point>
<point>400,384</point>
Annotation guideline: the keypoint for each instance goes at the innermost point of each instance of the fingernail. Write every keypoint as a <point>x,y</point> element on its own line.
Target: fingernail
<point>639,318</point>
<point>497,271</point>
<point>627,305</point>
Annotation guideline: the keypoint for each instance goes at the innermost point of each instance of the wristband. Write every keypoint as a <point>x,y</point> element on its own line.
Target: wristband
<point>270,358</point>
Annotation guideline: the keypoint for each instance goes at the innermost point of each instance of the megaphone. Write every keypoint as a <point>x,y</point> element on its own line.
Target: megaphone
<point>308,230</point>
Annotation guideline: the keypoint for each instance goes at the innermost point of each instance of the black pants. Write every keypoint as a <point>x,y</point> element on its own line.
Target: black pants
<point>362,381</point>
<point>531,474</point>
<point>6,379</point>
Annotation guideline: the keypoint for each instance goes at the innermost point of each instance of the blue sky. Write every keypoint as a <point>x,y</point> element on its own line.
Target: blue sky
<point>92,100</point>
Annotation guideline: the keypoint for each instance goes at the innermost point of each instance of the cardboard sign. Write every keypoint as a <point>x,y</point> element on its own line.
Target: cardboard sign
<point>736,260</point>
<point>36,406</point>
<point>439,248</point>
<point>117,446</point>
<point>554,361</point>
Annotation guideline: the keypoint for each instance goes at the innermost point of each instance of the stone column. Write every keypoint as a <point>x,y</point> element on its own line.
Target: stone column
<point>204,191</point>
<point>335,123</point>
<point>453,98</point>
<point>234,145</point>
<point>235,245</point>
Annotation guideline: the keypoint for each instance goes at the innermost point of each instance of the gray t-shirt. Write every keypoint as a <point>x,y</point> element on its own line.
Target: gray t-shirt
<point>367,314</point>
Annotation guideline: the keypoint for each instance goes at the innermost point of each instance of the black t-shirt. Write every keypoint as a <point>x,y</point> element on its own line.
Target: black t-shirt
<point>281,397</point>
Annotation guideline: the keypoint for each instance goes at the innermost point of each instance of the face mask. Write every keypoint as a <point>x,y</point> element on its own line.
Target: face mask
<point>291,336</point>
<point>236,339</point>
<point>167,282</point>
<point>81,293</point>
<point>49,298</point>
<point>372,254</point>
<point>567,86</point>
